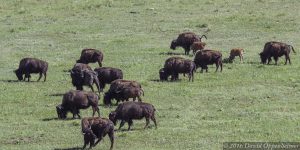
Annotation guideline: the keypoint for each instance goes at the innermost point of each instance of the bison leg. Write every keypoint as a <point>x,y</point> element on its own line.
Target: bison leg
<point>45,76</point>
<point>99,139</point>
<point>147,122</point>
<point>27,75</point>
<point>96,108</point>
<point>269,60</point>
<point>276,59</point>
<point>91,86</point>
<point>129,124</point>
<point>287,58</point>
<point>79,88</point>
<point>100,64</point>
<point>121,124</point>
<point>39,77</point>
<point>111,137</point>
<point>154,120</point>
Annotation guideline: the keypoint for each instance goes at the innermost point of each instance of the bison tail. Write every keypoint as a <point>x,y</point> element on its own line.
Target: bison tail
<point>292,48</point>
<point>202,37</point>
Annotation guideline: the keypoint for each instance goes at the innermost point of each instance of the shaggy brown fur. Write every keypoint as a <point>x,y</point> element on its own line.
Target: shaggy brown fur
<point>276,50</point>
<point>31,65</point>
<point>175,65</point>
<point>97,127</point>
<point>236,52</point>
<point>197,46</point>
<point>107,74</point>
<point>207,57</point>
<point>74,100</point>
<point>185,40</point>
<point>128,111</point>
<point>91,56</point>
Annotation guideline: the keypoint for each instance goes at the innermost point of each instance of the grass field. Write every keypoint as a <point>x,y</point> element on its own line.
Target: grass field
<point>246,102</point>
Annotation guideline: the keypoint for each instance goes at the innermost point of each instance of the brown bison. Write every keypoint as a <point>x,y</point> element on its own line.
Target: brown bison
<point>74,100</point>
<point>97,127</point>
<point>107,74</point>
<point>175,65</point>
<point>123,94</point>
<point>276,50</point>
<point>128,111</point>
<point>236,52</point>
<point>185,40</point>
<point>82,74</point>
<point>31,65</point>
<point>208,57</point>
<point>91,56</point>
<point>197,46</point>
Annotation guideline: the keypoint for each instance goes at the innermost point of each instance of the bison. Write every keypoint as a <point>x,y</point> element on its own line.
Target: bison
<point>185,40</point>
<point>107,74</point>
<point>276,49</point>
<point>82,74</point>
<point>197,46</point>
<point>97,127</point>
<point>207,57</point>
<point>175,65</point>
<point>236,52</point>
<point>123,94</point>
<point>91,56</point>
<point>74,100</point>
<point>128,111</point>
<point>31,65</point>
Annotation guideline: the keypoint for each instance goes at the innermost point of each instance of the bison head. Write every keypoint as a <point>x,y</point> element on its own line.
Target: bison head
<point>162,74</point>
<point>61,113</point>
<point>173,45</point>
<point>263,58</point>
<point>112,117</point>
<point>107,99</point>
<point>18,74</point>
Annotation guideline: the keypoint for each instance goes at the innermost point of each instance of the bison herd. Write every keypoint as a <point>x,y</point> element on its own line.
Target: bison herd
<point>95,128</point>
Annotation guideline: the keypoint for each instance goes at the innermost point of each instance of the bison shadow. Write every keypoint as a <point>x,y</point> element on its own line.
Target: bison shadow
<point>55,118</point>
<point>9,81</point>
<point>56,94</point>
<point>73,148</point>
<point>169,81</point>
<point>172,53</point>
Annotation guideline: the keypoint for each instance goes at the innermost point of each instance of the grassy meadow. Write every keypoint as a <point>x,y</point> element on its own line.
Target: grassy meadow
<point>246,102</point>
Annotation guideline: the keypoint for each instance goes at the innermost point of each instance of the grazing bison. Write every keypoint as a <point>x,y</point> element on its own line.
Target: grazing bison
<point>82,74</point>
<point>185,40</point>
<point>236,52</point>
<point>208,57</point>
<point>91,56</point>
<point>107,74</point>
<point>119,84</point>
<point>197,46</point>
<point>123,94</point>
<point>97,127</point>
<point>31,65</point>
<point>276,50</point>
<point>175,65</point>
<point>128,111</point>
<point>74,100</point>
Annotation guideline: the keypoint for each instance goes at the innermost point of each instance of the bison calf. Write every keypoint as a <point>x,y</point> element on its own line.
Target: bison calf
<point>197,46</point>
<point>91,56</point>
<point>236,52</point>
<point>74,100</point>
<point>96,127</point>
<point>31,65</point>
<point>128,111</point>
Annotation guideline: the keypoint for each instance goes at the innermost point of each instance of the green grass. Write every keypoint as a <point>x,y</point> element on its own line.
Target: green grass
<point>246,102</point>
